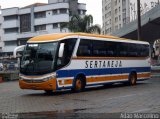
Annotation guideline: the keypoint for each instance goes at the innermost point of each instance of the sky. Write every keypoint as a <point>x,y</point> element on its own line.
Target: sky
<point>94,7</point>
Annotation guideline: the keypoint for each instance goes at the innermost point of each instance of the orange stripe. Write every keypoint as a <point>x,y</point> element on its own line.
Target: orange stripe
<point>146,75</point>
<point>111,58</point>
<point>106,78</point>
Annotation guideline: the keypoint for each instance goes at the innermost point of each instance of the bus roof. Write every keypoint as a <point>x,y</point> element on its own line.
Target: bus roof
<point>58,36</point>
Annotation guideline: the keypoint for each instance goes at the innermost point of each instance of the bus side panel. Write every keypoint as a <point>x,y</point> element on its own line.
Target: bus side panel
<point>102,71</point>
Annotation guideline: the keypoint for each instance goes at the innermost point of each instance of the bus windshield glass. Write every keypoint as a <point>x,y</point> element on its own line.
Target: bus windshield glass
<point>39,58</point>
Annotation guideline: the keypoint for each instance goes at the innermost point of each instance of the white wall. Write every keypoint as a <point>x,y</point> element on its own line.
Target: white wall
<point>48,21</point>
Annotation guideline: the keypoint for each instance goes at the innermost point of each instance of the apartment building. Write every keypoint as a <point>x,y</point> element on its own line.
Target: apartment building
<point>1,33</point>
<point>20,24</point>
<point>116,14</point>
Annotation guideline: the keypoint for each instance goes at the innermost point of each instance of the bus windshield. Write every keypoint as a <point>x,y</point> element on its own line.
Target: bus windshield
<point>39,58</point>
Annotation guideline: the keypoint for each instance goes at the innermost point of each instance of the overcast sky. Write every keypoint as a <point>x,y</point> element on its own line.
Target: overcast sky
<point>94,7</point>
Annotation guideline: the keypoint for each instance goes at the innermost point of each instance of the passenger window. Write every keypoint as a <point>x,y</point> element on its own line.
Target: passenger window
<point>99,48</point>
<point>84,48</point>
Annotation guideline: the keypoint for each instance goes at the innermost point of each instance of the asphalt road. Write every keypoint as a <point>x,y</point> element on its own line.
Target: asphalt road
<point>144,97</point>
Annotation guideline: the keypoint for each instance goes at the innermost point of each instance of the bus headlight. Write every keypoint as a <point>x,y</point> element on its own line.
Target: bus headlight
<point>50,77</point>
<point>46,78</point>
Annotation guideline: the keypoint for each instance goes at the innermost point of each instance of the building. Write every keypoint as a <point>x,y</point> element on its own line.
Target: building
<point>116,13</point>
<point>1,33</point>
<point>20,24</point>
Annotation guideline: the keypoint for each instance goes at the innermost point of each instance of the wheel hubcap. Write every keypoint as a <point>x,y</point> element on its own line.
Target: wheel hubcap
<point>133,80</point>
<point>78,84</point>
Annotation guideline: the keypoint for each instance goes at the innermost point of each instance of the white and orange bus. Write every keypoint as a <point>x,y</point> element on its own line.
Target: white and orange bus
<point>76,60</point>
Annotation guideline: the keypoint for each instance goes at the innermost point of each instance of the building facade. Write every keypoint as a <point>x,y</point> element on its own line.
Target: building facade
<point>1,33</point>
<point>115,13</point>
<point>20,24</point>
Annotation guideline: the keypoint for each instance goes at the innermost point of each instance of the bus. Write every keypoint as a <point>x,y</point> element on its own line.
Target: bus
<point>75,60</point>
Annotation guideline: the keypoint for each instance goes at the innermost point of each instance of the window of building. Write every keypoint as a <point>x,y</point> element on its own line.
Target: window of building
<point>120,26</point>
<point>123,2</point>
<point>10,43</point>
<point>25,23</point>
<point>116,19</point>
<point>115,2</point>
<point>124,10</point>
<point>83,12</point>
<point>105,7</point>
<point>116,11</point>
<point>40,15</point>
<point>55,12</point>
<point>12,17</point>
<point>105,15</point>
<point>119,17</point>
<point>55,25</point>
<point>116,27</point>
<point>40,27</point>
<point>124,20</point>
<point>11,30</point>
<point>62,11</point>
<point>119,9</point>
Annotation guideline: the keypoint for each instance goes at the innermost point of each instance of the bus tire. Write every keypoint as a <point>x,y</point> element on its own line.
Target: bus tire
<point>132,79</point>
<point>108,84</point>
<point>79,84</point>
<point>48,91</point>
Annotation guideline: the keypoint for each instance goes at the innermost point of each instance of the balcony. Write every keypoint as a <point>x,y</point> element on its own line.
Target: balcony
<point>10,24</point>
<point>31,34</point>
<point>9,11</point>
<point>52,19</point>
<point>82,6</point>
<point>49,7</point>
<point>10,36</point>
<point>9,48</point>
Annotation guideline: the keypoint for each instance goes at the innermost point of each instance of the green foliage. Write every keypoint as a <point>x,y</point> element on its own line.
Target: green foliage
<point>81,24</point>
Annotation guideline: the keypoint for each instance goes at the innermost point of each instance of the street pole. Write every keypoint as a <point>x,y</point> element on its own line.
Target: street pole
<point>139,19</point>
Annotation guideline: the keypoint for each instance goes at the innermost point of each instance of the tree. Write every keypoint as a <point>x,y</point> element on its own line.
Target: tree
<point>81,24</point>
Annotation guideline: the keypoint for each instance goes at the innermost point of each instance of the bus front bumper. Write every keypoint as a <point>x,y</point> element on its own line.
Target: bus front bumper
<point>45,85</point>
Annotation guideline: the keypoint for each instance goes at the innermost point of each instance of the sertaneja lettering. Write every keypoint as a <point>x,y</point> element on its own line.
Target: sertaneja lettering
<point>103,64</point>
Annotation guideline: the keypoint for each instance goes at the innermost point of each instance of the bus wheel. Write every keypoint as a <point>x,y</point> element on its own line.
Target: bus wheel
<point>133,79</point>
<point>48,91</point>
<point>79,85</point>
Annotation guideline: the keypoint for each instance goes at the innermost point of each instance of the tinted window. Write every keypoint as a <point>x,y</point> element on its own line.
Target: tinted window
<point>97,48</point>
<point>85,48</point>
<point>69,45</point>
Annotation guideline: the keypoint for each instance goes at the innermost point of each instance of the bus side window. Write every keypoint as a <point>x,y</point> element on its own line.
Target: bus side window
<point>99,49</point>
<point>84,48</point>
<point>84,51</point>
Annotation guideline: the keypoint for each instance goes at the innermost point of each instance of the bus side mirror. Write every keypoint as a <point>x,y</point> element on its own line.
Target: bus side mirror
<point>61,50</point>
<point>19,48</point>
